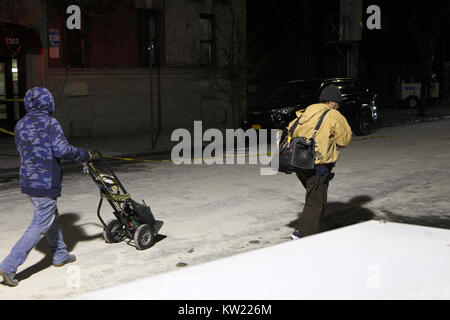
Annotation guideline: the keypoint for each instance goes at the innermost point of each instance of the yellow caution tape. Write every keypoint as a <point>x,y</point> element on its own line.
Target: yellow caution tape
<point>201,159</point>
<point>7,131</point>
<point>193,160</point>
<point>134,159</point>
<point>166,161</point>
<point>12,100</point>
<point>373,137</point>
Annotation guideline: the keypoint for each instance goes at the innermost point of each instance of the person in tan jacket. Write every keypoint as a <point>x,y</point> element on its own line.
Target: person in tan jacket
<point>334,134</point>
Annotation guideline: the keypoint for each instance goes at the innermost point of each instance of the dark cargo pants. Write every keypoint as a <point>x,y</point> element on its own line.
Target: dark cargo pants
<point>315,201</point>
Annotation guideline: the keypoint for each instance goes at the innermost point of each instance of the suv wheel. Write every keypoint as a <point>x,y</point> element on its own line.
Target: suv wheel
<point>364,122</point>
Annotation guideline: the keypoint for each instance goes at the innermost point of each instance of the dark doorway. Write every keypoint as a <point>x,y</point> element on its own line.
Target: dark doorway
<point>11,91</point>
<point>12,74</point>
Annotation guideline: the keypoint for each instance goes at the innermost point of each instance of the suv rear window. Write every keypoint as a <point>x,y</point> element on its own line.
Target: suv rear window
<point>296,90</point>
<point>282,93</point>
<point>306,90</point>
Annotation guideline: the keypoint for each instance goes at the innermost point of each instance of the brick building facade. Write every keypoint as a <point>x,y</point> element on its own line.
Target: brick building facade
<point>136,66</point>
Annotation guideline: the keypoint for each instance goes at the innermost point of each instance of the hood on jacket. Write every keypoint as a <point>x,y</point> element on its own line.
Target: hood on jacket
<point>39,100</point>
<point>311,111</point>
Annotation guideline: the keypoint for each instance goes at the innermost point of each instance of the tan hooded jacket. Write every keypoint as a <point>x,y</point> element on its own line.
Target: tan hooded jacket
<point>334,133</point>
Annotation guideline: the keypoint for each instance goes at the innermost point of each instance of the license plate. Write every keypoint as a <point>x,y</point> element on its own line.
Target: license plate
<point>256,126</point>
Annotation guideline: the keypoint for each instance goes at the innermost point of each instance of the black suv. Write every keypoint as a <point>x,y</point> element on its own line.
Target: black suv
<point>358,106</point>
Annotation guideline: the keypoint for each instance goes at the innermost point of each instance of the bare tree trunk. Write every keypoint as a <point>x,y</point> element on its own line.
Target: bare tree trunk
<point>423,92</point>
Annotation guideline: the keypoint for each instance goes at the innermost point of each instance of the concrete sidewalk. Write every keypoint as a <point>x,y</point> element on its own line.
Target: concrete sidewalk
<point>144,146</point>
<point>403,116</point>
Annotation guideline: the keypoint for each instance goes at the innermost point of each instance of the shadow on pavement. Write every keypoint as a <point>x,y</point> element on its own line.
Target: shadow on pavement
<point>72,234</point>
<point>341,214</point>
<point>425,221</point>
<point>338,214</point>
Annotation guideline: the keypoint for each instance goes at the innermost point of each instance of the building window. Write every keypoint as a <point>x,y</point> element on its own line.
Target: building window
<point>207,40</point>
<point>148,38</point>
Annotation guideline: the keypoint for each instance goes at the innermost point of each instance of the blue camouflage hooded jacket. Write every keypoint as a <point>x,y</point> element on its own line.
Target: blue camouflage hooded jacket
<point>41,144</point>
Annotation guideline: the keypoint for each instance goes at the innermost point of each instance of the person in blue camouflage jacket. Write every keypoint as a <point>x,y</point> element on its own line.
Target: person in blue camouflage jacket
<point>41,145</point>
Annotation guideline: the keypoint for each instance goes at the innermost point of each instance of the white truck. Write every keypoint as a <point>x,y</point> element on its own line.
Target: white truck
<point>410,92</point>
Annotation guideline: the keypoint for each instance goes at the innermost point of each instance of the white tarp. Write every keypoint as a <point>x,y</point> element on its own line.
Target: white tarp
<point>370,260</point>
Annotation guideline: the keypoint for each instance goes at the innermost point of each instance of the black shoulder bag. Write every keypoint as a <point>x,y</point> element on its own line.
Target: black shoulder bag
<point>298,152</point>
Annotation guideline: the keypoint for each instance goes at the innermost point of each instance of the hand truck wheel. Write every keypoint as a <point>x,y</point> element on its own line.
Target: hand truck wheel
<point>117,232</point>
<point>144,237</point>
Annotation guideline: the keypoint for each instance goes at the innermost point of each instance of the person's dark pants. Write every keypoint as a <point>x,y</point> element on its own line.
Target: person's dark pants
<point>315,201</point>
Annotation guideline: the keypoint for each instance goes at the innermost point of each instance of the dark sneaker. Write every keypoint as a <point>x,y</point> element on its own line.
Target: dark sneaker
<point>70,258</point>
<point>296,235</point>
<point>8,278</point>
